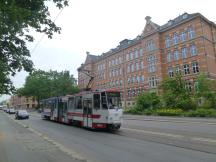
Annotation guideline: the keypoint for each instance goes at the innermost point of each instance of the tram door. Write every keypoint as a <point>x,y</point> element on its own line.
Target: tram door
<point>87,112</point>
<point>60,111</point>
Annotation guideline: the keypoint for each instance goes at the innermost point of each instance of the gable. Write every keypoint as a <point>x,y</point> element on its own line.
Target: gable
<point>150,27</point>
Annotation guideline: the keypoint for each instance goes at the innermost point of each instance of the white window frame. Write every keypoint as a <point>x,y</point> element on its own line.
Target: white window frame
<point>195,67</point>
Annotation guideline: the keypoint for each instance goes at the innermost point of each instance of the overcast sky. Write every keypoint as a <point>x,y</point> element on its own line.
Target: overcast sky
<point>99,25</point>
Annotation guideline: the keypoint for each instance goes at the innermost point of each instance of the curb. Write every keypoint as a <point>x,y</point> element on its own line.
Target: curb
<point>72,154</point>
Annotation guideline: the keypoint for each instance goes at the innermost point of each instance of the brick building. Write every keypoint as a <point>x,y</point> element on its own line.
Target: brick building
<point>186,45</point>
<point>21,102</point>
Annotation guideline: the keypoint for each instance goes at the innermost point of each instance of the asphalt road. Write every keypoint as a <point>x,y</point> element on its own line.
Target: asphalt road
<point>140,139</point>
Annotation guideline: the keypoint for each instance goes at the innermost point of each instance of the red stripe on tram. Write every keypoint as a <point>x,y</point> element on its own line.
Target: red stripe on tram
<point>94,116</point>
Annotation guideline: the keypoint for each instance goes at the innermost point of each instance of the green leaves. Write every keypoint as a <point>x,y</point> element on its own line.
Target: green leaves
<point>16,18</point>
<point>41,84</point>
<point>176,94</point>
<point>147,101</point>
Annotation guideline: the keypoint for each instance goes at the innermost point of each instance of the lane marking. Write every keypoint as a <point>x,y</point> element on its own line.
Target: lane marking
<point>204,139</point>
<point>155,133</point>
<point>176,121</point>
<point>200,139</point>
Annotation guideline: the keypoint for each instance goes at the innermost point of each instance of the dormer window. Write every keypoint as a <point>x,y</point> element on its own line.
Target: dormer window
<point>185,16</point>
<point>170,22</point>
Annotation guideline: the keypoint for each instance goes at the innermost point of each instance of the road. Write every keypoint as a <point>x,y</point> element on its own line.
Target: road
<point>150,139</point>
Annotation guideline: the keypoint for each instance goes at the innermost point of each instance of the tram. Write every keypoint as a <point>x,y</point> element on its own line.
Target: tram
<point>91,109</point>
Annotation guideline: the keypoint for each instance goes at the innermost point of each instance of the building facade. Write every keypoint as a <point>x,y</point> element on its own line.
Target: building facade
<point>186,45</point>
<point>22,102</point>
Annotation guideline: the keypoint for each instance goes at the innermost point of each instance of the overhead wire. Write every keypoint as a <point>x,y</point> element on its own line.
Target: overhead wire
<point>42,37</point>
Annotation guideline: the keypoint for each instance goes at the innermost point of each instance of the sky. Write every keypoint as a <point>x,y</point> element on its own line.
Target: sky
<point>99,25</point>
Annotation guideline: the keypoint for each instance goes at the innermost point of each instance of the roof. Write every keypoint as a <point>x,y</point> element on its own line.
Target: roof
<point>154,28</point>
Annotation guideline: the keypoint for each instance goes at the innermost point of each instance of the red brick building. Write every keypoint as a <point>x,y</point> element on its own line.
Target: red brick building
<point>186,45</point>
<point>22,102</point>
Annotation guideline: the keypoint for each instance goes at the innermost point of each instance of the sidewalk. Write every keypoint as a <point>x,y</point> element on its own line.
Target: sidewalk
<point>19,144</point>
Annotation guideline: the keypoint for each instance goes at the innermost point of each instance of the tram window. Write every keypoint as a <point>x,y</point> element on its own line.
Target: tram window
<point>104,100</point>
<point>79,102</point>
<point>96,101</point>
<point>71,104</point>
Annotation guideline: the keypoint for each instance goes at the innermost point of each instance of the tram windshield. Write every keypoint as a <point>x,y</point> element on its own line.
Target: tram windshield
<point>114,100</point>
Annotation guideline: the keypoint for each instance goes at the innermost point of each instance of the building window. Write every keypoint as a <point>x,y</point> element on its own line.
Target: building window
<point>132,67</point>
<point>193,50</point>
<point>133,79</point>
<point>113,73</point>
<point>167,42</point>
<point>127,56</point>
<point>120,60</point>
<point>121,82</point>
<point>178,69</point>
<point>120,71</point>
<point>191,33</point>
<point>137,66</point>
<point>129,80</point>
<point>188,85</point>
<point>150,45</point>
<point>169,57</point>
<point>176,55</point>
<point>142,78</point>
<point>128,68</point>
<point>152,82</point>
<point>138,79</point>
<point>186,69</point>
<point>136,53</point>
<point>195,67</point>
<point>142,65</point>
<point>175,39</point>
<point>183,36</point>
<point>151,63</point>
<point>116,72</point>
<point>141,52</point>
<point>170,72</point>
<point>131,55</point>
<point>113,62</point>
<point>184,52</point>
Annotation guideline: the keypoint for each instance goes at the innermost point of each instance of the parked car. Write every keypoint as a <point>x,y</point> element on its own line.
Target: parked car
<point>21,114</point>
<point>7,110</point>
<point>12,111</point>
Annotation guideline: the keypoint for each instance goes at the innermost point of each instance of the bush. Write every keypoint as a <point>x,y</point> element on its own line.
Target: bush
<point>169,112</point>
<point>201,112</point>
<point>133,110</point>
<point>147,101</point>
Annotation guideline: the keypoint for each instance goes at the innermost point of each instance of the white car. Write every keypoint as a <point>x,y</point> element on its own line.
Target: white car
<point>12,111</point>
<point>21,114</point>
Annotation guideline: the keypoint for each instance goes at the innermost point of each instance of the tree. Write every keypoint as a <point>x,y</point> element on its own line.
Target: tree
<point>17,17</point>
<point>147,100</point>
<point>176,94</point>
<point>41,84</point>
<point>205,91</point>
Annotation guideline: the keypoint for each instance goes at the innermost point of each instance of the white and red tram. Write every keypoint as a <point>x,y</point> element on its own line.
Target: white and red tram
<point>90,109</point>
